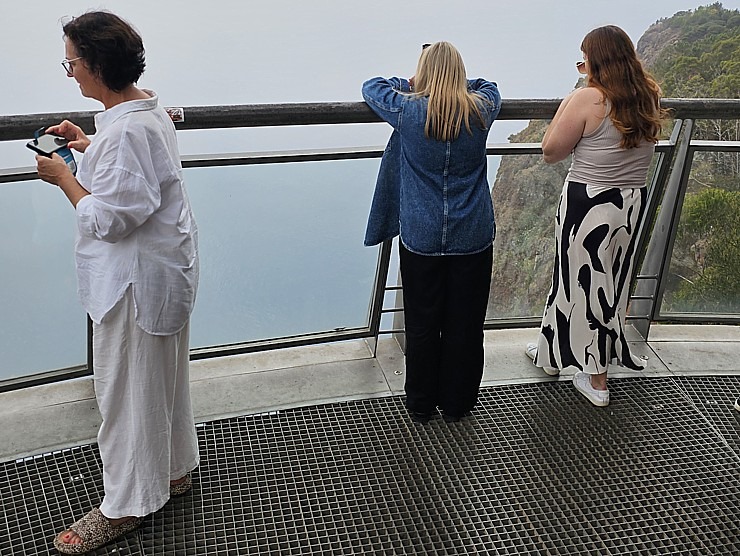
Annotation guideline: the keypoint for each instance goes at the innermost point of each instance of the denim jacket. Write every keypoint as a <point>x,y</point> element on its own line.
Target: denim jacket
<point>434,194</point>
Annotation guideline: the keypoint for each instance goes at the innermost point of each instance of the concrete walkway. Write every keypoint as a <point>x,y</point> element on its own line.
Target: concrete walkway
<point>50,417</point>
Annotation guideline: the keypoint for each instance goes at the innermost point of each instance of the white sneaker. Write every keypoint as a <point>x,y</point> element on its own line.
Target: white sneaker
<point>582,382</point>
<point>737,404</point>
<point>531,352</point>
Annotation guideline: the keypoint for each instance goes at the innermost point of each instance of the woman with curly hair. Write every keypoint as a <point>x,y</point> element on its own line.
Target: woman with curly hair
<point>611,126</point>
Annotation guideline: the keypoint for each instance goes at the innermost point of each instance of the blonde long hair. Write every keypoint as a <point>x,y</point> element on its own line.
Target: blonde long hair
<point>613,69</point>
<point>440,75</point>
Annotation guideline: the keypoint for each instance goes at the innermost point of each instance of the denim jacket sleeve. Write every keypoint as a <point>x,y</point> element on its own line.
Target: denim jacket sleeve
<point>487,90</point>
<point>383,220</point>
<point>385,97</point>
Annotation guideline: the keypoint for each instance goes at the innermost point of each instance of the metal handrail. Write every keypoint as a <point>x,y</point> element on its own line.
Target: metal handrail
<point>300,114</point>
<point>17,127</point>
<point>10,175</point>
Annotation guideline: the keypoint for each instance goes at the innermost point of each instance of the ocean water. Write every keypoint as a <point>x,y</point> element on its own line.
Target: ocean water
<point>281,248</point>
<point>280,244</point>
<point>281,254</point>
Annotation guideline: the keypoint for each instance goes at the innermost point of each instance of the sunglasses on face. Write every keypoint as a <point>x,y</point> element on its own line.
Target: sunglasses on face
<point>581,66</point>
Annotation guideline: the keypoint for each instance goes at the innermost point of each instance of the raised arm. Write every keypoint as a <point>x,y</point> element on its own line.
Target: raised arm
<point>487,90</point>
<point>569,123</point>
<point>385,96</point>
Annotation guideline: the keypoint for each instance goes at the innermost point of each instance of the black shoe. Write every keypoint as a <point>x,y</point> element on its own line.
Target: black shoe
<point>453,417</point>
<point>421,416</point>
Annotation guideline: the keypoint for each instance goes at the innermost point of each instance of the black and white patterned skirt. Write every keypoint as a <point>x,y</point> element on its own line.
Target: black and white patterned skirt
<point>596,239</point>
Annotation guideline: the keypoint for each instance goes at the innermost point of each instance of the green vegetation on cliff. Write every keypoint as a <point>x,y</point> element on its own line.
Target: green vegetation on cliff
<point>693,54</point>
<point>703,61</point>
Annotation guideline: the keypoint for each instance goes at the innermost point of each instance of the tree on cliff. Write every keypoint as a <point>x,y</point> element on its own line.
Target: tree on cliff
<point>703,61</point>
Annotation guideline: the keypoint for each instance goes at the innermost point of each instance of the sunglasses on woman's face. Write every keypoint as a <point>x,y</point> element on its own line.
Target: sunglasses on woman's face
<point>581,66</point>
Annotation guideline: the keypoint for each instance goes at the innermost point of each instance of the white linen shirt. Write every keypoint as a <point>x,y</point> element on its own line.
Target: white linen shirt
<point>136,228</point>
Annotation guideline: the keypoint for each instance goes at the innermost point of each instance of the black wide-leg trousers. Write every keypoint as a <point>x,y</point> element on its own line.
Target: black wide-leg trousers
<point>445,300</point>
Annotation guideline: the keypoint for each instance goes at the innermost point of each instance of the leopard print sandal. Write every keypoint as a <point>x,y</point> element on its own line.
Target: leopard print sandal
<point>95,531</point>
<point>181,488</point>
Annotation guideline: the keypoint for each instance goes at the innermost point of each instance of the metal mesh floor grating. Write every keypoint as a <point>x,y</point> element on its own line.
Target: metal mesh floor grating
<point>535,470</point>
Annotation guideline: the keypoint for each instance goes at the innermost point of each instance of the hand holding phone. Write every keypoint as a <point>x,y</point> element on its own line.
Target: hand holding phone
<point>46,144</point>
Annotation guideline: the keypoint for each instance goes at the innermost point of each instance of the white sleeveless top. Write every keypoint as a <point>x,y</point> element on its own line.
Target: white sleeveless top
<point>598,159</point>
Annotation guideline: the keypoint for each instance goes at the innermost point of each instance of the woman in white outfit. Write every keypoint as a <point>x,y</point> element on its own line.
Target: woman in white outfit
<point>611,127</point>
<point>137,270</point>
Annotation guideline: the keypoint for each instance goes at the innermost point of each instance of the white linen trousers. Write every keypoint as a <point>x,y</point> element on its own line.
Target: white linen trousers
<point>148,436</point>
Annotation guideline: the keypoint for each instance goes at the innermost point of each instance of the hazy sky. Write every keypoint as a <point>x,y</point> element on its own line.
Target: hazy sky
<point>240,52</point>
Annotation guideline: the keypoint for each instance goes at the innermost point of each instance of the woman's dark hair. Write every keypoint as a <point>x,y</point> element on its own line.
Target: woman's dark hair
<point>110,47</point>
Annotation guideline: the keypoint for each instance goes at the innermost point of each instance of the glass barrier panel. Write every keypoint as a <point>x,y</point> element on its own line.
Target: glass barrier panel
<point>42,325</point>
<point>281,249</point>
<point>525,194</point>
<point>704,274</point>
<point>525,197</point>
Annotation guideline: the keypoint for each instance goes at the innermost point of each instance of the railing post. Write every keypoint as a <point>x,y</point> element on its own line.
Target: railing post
<point>648,293</point>
<point>376,304</point>
<point>644,284</point>
<point>399,320</point>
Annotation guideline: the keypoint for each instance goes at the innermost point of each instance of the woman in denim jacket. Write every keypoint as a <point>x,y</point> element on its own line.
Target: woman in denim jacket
<point>433,190</point>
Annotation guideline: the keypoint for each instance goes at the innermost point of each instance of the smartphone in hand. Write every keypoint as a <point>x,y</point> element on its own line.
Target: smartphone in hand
<point>46,144</point>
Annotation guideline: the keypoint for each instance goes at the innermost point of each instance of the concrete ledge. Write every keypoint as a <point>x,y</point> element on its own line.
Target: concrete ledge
<point>229,396</point>
<point>49,417</point>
